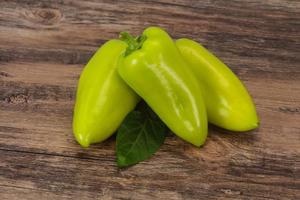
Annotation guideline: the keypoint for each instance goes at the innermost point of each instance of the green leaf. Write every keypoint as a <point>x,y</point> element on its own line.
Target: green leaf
<point>139,137</point>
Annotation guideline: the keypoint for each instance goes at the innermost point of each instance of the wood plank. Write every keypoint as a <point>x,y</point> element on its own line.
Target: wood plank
<point>245,175</point>
<point>49,108</point>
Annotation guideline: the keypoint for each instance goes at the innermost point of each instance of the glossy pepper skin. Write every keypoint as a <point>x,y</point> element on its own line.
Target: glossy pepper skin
<point>103,99</point>
<point>157,72</point>
<point>228,103</point>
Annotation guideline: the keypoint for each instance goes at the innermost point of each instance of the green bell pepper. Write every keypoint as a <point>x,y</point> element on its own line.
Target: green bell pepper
<point>227,101</point>
<point>154,68</point>
<point>103,99</point>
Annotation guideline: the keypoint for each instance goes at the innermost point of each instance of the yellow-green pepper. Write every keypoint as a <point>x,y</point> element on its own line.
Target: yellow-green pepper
<point>154,68</point>
<point>103,99</point>
<point>228,103</point>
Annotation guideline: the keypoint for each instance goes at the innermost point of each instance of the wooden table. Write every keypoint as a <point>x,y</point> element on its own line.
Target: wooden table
<point>45,44</point>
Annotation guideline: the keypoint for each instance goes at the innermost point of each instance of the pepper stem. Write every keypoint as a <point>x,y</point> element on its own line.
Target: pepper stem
<point>133,43</point>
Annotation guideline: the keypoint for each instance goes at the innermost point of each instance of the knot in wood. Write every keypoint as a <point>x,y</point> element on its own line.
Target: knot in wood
<point>17,99</point>
<point>44,16</point>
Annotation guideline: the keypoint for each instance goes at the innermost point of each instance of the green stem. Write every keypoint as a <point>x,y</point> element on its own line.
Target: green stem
<point>133,43</point>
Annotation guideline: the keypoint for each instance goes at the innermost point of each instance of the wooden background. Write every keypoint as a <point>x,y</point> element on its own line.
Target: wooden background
<point>45,44</point>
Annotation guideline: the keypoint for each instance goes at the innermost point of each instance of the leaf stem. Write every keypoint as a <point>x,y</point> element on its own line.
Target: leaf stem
<point>134,43</point>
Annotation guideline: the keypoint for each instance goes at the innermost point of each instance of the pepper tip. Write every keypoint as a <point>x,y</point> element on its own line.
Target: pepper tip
<point>83,141</point>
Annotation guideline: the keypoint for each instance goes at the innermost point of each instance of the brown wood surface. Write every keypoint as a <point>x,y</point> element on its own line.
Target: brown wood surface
<point>45,44</point>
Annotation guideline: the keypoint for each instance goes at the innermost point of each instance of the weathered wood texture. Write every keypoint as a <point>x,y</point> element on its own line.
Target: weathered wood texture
<point>43,47</point>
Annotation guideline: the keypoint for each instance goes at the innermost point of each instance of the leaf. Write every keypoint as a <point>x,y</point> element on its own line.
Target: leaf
<point>139,137</point>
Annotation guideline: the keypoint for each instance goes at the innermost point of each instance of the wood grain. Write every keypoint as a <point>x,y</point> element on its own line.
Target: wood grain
<point>45,44</point>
